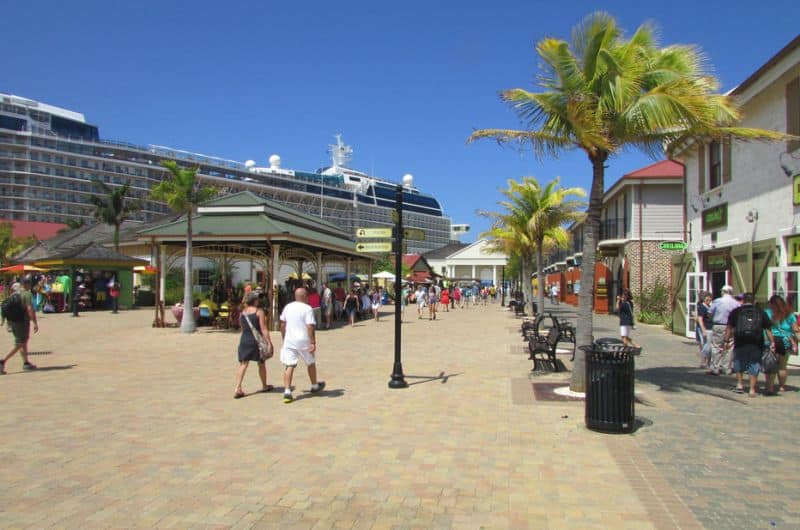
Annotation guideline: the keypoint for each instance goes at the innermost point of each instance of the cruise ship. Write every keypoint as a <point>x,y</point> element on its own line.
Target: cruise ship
<point>50,155</point>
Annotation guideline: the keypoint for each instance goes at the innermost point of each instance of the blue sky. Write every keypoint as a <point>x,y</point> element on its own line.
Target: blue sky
<point>405,82</point>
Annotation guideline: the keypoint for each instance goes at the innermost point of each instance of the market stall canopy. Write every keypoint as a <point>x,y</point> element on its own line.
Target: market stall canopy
<point>384,275</point>
<point>20,269</point>
<point>145,269</point>
<point>89,255</point>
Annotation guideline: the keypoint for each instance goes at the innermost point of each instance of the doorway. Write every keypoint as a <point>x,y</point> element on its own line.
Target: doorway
<point>716,281</point>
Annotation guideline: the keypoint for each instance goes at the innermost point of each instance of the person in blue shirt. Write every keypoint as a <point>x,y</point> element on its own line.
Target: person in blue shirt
<point>785,330</point>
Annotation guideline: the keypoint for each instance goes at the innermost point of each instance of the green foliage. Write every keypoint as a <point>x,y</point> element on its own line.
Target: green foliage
<point>653,303</point>
<point>113,207</point>
<point>181,190</point>
<point>10,245</point>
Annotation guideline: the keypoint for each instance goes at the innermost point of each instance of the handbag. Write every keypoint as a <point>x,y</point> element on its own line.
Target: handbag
<point>265,349</point>
<point>769,362</point>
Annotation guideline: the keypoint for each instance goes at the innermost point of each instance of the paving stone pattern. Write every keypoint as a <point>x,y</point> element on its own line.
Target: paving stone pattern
<point>129,426</point>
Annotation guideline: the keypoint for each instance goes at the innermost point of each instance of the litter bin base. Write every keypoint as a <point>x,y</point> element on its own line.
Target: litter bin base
<point>610,426</point>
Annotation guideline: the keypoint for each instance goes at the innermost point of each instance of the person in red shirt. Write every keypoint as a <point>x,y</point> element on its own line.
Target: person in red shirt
<point>339,296</point>
<point>113,292</point>
<point>315,301</point>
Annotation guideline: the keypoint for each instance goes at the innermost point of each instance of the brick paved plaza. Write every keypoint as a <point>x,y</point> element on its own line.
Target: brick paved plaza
<point>129,426</point>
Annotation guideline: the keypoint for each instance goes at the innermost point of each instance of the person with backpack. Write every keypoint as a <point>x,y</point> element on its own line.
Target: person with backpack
<point>18,312</point>
<point>747,325</point>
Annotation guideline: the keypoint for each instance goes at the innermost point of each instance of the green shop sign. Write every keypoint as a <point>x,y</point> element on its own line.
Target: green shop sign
<point>673,245</point>
<point>716,217</point>
<point>793,245</point>
<point>717,262</point>
<point>796,190</point>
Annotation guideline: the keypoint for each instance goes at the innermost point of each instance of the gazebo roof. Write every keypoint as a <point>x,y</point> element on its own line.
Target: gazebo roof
<point>90,254</point>
<point>245,216</point>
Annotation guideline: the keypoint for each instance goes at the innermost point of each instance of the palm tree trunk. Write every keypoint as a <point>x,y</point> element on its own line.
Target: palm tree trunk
<point>586,296</point>
<point>187,322</point>
<point>116,238</point>
<point>539,278</point>
<point>526,278</point>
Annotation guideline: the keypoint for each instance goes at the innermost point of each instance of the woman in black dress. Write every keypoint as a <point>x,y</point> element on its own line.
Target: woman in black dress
<point>625,309</point>
<point>248,347</point>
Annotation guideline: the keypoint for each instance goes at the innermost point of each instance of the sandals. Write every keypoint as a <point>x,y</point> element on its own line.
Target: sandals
<point>239,395</point>
<point>738,390</point>
<point>268,388</point>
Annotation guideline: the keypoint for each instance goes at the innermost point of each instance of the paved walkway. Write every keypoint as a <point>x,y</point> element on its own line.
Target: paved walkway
<point>129,426</point>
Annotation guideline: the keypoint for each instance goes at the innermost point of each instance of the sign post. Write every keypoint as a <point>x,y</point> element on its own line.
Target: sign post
<point>398,379</point>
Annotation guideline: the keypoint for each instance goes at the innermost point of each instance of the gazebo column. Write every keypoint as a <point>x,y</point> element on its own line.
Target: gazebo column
<point>369,273</point>
<point>494,275</point>
<point>276,266</point>
<point>319,272</point>
<point>162,272</point>
<point>473,272</point>
<point>347,274</point>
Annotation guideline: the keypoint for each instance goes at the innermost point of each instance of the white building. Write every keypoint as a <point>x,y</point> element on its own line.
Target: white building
<point>743,198</point>
<point>476,261</point>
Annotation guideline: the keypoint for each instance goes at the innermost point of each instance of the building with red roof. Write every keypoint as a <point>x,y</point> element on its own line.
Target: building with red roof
<point>39,230</point>
<point>642,224</point>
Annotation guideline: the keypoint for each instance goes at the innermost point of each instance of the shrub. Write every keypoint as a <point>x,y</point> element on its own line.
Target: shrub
<point>653,303</point>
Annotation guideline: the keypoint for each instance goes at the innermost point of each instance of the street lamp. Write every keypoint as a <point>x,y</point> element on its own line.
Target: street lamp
<point>398,379</point>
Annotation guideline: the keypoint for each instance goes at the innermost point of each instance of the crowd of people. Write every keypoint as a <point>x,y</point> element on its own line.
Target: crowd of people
<point>737,337</point>
<point>314,309</point>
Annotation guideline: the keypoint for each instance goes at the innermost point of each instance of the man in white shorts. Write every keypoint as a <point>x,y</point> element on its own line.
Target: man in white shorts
<point>299,342</point>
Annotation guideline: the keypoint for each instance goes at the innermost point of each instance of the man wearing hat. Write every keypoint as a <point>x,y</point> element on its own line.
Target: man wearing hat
<point>720,311</point>
<point>22,329</point>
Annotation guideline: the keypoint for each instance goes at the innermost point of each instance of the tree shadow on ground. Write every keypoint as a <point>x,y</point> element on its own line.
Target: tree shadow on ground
<point>680,379</point>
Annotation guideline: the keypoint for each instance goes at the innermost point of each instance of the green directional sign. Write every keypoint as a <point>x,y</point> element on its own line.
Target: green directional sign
<point>673,245</point>
<point>414,234</point>
<point>373,247</point>
<point>373,232</point>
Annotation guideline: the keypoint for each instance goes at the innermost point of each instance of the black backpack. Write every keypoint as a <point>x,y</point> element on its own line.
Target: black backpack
<point>748,324</point>
<point>13,308</point>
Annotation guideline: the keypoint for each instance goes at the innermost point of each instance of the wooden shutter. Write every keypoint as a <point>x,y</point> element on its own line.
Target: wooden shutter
<point>793,113</point>
<point>701,168</point>
<point>726,160</point>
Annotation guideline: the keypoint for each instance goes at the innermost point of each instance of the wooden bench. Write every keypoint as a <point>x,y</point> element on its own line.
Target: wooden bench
<point>546,345</point>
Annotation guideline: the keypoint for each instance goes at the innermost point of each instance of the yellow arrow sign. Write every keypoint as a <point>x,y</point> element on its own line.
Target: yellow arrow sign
<point>373,247</point>
<point>414,233</point>
<point>373,232</point>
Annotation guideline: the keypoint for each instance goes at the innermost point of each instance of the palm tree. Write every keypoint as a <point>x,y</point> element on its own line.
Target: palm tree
<point>536,216</point>
<point>11,245</point>
<point>602,94</point>
<point>183,193</point>
<point>113,207</point>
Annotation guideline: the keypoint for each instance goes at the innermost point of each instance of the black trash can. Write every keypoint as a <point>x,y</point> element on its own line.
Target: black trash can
<point>609,386</point>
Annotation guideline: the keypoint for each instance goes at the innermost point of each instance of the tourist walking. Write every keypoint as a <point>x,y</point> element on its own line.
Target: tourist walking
<point>446,300</point>
<point>299,342</point>
<point>351,304</point>
<point>720,312</point>
<point>315,301</point>
<point>747,325</point>
<point>456,297</point>
<point>626,319</point>
<point>375,303</point>
<point>785,331</point>
<point>252,320</point>
<point>702,329</point>
<point>19,314</point>
<point>433,299</point>
<point>555,290</point>
<point>327,305</point>
<point>421,296</point>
